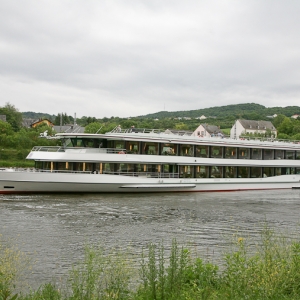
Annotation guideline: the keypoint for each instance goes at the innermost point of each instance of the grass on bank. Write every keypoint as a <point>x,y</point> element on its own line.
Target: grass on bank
<point>269,270</point>
<point>10,158</point>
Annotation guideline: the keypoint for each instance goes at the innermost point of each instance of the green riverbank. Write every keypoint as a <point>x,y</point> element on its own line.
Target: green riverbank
<point>268,269</point>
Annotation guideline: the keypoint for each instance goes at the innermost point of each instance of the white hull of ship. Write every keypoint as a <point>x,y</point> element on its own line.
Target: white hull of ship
<point>43,182</point>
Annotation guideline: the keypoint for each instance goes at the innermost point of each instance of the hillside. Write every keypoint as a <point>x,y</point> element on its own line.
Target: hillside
<point>235,110</point>
<point>34,115</point>
<point>245,110</point>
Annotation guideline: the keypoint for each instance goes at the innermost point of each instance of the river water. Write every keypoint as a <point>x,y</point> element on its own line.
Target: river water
<point>53,229</point>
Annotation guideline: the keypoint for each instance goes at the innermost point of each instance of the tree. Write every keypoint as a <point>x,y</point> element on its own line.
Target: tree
<point>278,120</point>
<point>13,116</point>
<point>286,126</point>
<point>181,126</point>
<point>62,118</point>
<point>5,128</point>
<point>92,127</point>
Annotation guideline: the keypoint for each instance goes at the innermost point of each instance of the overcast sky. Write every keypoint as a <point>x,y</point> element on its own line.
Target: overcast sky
<point>134,57</point>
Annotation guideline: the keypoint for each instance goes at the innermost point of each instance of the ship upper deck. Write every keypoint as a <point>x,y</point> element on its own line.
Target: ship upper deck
<point>185,137</point>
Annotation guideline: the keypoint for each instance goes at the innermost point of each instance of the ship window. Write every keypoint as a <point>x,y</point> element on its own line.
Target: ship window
<point>151,170</point>
<point>216,172</point>
<point>297,154</point>
<point>230,152</point>
<point>60,166</point>
<point>70,166</point>
<point>290,171</point>
<point>89,167</point>
<point>268,172</point>
<point>110,168</point>
<point>186,150</point>
<point>90,143</point>
<point>169,149</point>
<point>216,151</point>
<point>150,148</point>
<point>279,154</point>
<point>47,165</point>
<point>169,171</point>
<point>243,172</point>
<point>268,154</point>
<point>132,147</point>
<point>115,144</point>
<point>256,153</point>
<point>202,171</point>
<point>290,154</point>
<point>67,143</point>
<point>202,151</point>
<point>77,142</point>
<point>230,172</point>
<point>255,172</point>
<point>38,164</point>
<point>124,168</point>
<point>186,171</point>
<point>78,166</point>
<point>244,153</point>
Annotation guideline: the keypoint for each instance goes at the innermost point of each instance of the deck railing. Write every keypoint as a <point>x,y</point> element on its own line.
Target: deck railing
<point>65,149</point>
<point>144,174</point>
<point>132,174</point>
<point>48,148</point>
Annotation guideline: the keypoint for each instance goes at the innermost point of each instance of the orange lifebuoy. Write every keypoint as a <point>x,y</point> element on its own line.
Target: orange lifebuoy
<point>121,152</point>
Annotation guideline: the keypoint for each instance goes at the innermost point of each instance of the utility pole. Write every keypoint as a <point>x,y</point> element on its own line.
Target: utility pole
<point>60,122</point>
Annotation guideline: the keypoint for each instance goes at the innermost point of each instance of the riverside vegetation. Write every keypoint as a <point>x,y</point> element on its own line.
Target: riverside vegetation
<point>268,270</point>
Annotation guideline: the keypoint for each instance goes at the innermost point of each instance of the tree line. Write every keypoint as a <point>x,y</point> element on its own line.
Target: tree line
<point>13,135</point>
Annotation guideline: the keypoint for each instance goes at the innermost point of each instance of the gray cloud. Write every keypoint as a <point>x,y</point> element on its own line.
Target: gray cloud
<point>127,58</point>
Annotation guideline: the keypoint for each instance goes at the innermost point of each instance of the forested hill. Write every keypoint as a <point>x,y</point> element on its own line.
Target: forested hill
<point>246,111</point>
<point>34,115</point>
<point>250,111</point>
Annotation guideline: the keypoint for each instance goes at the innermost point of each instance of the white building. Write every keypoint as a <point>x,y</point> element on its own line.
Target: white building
<point>205,130</point>
<point>241,127</point>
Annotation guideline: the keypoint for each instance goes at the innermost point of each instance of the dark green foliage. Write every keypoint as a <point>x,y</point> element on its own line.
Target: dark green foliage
<point>63,119</point>
<point>13,116</point>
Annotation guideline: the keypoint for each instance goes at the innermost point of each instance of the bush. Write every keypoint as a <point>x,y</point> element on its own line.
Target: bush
<point>271,272</point>
<point>12,264</point>
<point>180,277</point>
<point>99,276</point>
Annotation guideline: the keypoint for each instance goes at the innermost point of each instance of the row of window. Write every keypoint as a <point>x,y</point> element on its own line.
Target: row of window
<point>168,170</point>
<point>152,148</point>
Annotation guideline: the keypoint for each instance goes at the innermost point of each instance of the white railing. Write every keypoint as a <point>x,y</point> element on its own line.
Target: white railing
<point>133,174</point>
<point>48,148</point>
<point>64,149</point>
<point>144,174</point>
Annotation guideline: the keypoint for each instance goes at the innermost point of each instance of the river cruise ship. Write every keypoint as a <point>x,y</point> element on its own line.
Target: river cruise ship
<point>151,160</point>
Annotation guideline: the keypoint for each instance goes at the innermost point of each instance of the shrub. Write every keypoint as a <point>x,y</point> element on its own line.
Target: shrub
<point>100,276</point>
<point>12,263</point>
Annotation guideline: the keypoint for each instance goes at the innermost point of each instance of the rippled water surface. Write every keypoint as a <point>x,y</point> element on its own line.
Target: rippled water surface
<point>53,229</point>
